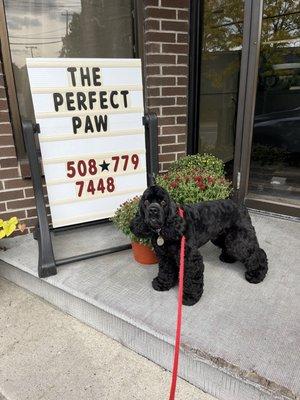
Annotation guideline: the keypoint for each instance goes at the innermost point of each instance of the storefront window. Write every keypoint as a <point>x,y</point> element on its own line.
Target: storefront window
<point>275,159</point>
<point>220,66</point>
<point>69,28</point>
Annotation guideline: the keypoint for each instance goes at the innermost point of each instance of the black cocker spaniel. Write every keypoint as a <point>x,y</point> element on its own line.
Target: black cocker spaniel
<point>223,222</point>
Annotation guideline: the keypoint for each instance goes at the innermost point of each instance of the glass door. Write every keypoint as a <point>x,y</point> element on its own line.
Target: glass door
<point>222,38</point>
<point>275,154</point>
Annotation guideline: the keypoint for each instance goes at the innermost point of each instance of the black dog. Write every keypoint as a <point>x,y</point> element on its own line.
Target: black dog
<point>225,223</point>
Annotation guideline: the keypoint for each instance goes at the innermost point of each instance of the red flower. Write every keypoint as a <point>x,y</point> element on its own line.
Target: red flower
<point>174,184</point>
<point>210,180</point>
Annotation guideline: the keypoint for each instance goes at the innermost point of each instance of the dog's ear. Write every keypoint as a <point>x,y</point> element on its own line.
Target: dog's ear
<point>174,226</point>
<point>138,226</point>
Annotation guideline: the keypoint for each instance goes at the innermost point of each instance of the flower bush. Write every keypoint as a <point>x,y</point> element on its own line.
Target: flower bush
<point>123,216</point>
<point>196,178</point>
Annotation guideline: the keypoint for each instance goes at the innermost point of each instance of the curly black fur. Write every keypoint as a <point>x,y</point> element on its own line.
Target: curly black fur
<point>223,222</point>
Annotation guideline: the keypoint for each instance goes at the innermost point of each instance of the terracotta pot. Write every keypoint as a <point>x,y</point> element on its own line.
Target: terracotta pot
<point>143,254</point>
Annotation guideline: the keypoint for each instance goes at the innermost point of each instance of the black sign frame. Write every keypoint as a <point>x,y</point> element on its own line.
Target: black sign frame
<point>47,262</point>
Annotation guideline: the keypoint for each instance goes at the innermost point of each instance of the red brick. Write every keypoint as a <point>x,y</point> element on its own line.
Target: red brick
<point>31,212</point>
<point>176,129</point>
<point>5,129</point>
<point>8,162</point>
<point>155,110</point>
<point>173,110</point>
<point>13,205</point>
<point>17,183</point>
<point>166,157</point>
<point>151,24</point>
<point>166,166</point>
<point>8,173</point>
<point>160,13</point>
<point>153,92</point>
<point>181,138</point>
<point>182,59</point>
<point>175,70</point>
<point>160,59</point>
<point>3,104</point>
<point>152,48</point>
<point>4,116</point>
<point>182,38</point>
<point>160,81</point>
<point>180,155</point>
<point>19,214</point>
<point>175,3</point>
<point>160,37</point>
<point>8,151</point>
<point>179,26</point>
<point>161,101</point>
<point>153,70</point>
<point>29,192</point>
<point>175,48</point>
<point>173,91</point>
<point>2,93</point>
<point>183,14</point>
<point>182,81</point>
<point>6,140</point>
<point>170,139</point>
<point>181,120</point>
<point>181,100</point>
<point>166,121</point>
<point>31,222</point>
<point>172,148</point>
<point>2,207</point>
<point>11,195</point>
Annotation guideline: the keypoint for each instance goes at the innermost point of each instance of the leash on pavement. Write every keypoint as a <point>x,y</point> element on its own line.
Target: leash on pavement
<point>179,315</point>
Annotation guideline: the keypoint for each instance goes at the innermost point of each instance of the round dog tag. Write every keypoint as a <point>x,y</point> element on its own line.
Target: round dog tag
<point>160,241</point>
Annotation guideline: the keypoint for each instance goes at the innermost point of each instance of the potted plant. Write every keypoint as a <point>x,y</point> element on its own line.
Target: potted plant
<point>142,248</point>
<point>196,178</point>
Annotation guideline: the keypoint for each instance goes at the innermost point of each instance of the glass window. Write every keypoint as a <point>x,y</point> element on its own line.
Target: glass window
<point>220,66</point>
<point>65,28</point>
<point>275,159</point>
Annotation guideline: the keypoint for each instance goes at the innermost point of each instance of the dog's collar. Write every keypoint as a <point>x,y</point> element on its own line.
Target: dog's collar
<point>180,212</point>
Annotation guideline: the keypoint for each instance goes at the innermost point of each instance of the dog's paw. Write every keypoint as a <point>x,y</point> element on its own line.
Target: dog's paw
<point>255,276</point>
<point>190,300</point>
<point>226,258</point>
<point>160,286</point>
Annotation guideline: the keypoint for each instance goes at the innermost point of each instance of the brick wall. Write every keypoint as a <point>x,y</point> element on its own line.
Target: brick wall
<point>166,66</point>
<point>16,193</point>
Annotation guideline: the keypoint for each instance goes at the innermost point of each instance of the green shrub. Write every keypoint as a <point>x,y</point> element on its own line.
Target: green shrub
<point>123,216</point>
<point>204,162</point>
<point>196,178</point>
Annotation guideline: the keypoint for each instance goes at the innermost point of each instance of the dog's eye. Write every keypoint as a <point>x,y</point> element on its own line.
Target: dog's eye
<point>163,203</point>
<point>146,202</point>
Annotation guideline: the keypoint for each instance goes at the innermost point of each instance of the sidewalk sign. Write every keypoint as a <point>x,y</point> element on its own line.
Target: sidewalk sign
<point>90,117</point>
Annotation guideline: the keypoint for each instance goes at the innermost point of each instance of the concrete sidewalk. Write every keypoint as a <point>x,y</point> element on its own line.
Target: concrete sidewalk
<point>46,354</point>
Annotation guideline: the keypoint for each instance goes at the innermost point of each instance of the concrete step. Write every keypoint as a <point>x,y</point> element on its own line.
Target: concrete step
<point>240,342</point>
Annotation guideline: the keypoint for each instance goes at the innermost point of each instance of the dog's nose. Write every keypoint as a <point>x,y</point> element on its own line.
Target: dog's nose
<point>153,211</point>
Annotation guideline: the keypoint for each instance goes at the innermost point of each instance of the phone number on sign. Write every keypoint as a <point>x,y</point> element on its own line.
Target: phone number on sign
<point>110,164</point>
<point>92,167</point>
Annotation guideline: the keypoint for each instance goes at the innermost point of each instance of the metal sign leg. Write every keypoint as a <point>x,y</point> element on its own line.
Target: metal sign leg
<point>46,262</point>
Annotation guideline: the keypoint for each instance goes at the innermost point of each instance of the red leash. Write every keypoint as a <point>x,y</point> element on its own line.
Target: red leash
<point>179,315</point>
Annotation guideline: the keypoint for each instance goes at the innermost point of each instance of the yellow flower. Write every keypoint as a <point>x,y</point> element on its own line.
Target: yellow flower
<point>8,227</point>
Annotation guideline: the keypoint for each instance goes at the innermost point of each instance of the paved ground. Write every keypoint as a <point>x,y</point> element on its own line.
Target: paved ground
<point>48,355</point>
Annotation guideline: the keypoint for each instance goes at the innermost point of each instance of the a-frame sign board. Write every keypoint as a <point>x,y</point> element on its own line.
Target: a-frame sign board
<point>98,148</point>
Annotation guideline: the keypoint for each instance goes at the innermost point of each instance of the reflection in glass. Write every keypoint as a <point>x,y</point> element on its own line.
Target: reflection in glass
<point>220,66</point>
<point>275,159</point>
<point>65,28</point>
